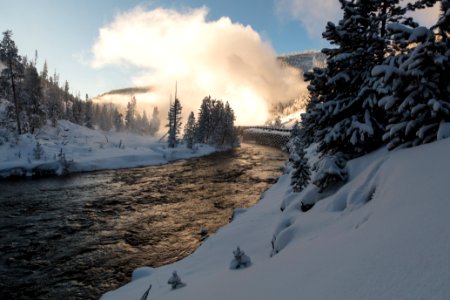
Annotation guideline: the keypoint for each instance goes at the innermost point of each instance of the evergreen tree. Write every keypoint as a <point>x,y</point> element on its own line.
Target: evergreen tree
<point>297,156</point>
<point>415,83</point>
<point>105,121</point>
<point>89,113</point>
<point>13,71</point>
<point>118,120</point>
<point>78,111</point>
<point>38,151</point>
<point>130,116</point>
<point>230,134</point>
<point>341,116</point>
<point>67,104</point>
<point>204,123</point>
<point>302,174</point>
<point>174,118</point>
<point>189,131</point>
<point>54,103</point>
<point>144,123</point>
<point>215,125</point>
<point>32,99</point>
<point>154,122</point>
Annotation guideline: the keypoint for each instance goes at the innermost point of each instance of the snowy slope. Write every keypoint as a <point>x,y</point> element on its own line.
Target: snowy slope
<point>383,235</point>
<point>88,150</point>
<point>304,61</point>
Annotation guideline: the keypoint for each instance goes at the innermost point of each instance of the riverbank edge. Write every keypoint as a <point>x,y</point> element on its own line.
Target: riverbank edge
<point>35,170</point>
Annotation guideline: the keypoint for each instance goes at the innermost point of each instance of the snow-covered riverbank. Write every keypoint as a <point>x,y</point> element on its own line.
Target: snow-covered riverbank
<point>383,235</point>
<point>86,150</point>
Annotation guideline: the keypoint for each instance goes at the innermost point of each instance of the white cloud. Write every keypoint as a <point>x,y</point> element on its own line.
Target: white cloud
<point>226,60</point>
<point>313,15</point>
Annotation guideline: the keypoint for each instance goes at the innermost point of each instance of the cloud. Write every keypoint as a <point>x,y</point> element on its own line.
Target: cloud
<point>314,15</point>
<point>226,60</point>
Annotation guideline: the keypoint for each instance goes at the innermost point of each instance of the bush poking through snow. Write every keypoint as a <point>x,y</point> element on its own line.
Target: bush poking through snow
<point>175,281</point>
<point>240,260</point>
<point>302,174</point>
<point>330,170</point>
<point>306,206</point>
<point>65,164</point>
<point>38,151</point>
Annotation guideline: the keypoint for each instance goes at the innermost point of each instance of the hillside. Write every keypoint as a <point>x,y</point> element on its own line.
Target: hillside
<point>383,235</point>
<point>304,61</point>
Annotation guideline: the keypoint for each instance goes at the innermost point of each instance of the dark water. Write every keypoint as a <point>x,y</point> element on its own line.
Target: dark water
<point>80,236</point>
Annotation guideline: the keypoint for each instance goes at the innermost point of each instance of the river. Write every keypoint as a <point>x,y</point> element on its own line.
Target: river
<point>79,236</point>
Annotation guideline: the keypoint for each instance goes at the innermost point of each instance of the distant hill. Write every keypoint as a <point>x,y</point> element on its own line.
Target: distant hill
<point>303,60</point>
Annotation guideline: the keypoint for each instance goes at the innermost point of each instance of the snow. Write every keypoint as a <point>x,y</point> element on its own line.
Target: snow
<point>88,150</point>
<point>420,34</point>
<point>280,131</point>
<point>382,235</point>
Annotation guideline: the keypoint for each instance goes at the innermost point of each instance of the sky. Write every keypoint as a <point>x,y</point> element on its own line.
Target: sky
<point>223,48</point>
<point>64,32</point>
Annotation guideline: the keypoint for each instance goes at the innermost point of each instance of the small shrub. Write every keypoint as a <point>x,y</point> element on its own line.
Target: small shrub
<point>240,260</point>
<point>330,170</point>
<point>175,281</point>
<point>38,151</point>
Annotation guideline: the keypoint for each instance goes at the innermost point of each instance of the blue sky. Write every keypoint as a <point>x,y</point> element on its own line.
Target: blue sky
<point>64,32</point>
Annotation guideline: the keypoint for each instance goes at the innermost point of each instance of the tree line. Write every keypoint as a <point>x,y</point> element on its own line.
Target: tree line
<point>214,125</point>
<point>33,98</point>
<point>386,82</point>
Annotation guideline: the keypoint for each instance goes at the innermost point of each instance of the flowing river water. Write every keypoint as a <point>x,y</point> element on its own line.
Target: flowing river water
<point>79,236</point>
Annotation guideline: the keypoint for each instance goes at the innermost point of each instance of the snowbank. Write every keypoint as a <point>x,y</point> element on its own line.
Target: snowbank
<point>383,235</point>
<point>86,150</point>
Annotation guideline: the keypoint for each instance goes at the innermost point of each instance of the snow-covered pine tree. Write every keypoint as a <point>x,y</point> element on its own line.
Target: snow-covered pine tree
<point>230,133</point>
<point>338,115</point>
<point>105,118</point>
<point>67,102</point>
<point>130,123</point>
<point>189,131</point>
<point>302,174</point>
<point>144,124</point>
<point>330,170</point>
<point>204,121</point>
<point>89,113</point>
<point>78,111</point>
<point>154,122</point>
<point>174,118</point>
<point>32,99</point>
<point>416,83</point>
<point>54,103</point>
<point>12,73</point>
<point>217,125</point>
<point>117,120</point>
<point>38,151</point>
<point>297,156</point>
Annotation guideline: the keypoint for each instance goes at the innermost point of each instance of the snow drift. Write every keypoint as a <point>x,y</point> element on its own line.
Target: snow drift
<point>383,235</point>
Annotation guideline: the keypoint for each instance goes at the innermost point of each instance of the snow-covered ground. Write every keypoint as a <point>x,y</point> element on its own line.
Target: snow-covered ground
<point>87,150</point>
<point>385,234</point>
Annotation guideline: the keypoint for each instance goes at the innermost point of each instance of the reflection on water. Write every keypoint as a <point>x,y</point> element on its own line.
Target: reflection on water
<point>80,236</point>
